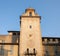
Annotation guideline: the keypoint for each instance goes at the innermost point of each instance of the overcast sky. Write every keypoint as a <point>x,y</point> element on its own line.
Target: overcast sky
<point>49,10</point>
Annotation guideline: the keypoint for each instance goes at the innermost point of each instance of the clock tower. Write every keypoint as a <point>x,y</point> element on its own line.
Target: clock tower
<point>30,34</point>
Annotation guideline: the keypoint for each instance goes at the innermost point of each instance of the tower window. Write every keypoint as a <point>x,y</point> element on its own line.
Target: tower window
<point>30,26</point>
<point>30,35</point>
<point>30,13</point>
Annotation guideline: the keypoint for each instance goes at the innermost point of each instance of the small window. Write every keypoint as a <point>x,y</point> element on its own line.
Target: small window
<point>30,26</point>
<point>30,13</point>
<point>27,49</point>
<point>43,39</point>
<point>53,39</point>
<point>14,33</point>
<point>48,39</point>
<point>30,35</point>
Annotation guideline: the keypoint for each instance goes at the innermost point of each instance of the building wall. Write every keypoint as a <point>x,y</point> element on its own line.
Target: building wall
<point>9,45</point>
<point>51,46</point>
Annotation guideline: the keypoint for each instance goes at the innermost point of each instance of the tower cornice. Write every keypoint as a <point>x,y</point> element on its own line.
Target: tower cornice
<point>30,17</point>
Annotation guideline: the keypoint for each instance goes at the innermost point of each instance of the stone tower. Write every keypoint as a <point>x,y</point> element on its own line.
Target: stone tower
<point>30,34</point>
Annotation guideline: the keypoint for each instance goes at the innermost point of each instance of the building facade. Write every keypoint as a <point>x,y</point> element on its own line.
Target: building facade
<point>28,41</point>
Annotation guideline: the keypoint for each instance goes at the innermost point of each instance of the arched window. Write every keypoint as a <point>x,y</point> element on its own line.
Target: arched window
<point>30,13</point>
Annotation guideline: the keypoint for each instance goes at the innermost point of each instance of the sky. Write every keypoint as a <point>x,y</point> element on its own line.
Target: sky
<point>49,10</point>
